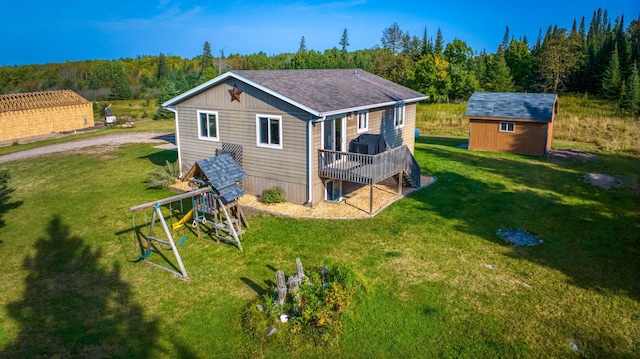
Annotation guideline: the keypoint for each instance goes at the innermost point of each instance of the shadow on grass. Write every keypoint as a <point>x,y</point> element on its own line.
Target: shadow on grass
<point>590,234</point>
<point>74,307</point>
<point>160,158</point>
<point>5,196</point>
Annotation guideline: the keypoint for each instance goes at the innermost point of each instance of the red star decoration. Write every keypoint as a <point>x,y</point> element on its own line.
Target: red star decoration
<point>235,93</point>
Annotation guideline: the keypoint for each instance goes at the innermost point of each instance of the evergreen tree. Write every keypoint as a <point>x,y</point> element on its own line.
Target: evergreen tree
<point>303,45</point>
<point>344,41</point>
<point>120,90</point>
<point>630,98</point>
<point>504,45</point>
<point>634,40</point>
<point>439,45</point>
<point>612,79</point>
<point>623,47</point>
<point>518,58</point>
<point>427,44</point>
<point>163,69</point>
<point>498,75</point>
<point>206,59</point>
<point>167,92</point>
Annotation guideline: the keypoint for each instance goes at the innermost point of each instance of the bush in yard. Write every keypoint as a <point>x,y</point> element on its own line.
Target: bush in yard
<point>272,195</point>
<point>315,311</point>
<point>163,176</point>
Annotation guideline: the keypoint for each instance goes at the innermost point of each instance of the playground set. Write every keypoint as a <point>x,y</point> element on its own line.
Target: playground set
<point>214,211</point>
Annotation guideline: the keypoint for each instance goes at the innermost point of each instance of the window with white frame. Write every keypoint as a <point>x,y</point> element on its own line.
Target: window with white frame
<point>269,131</point>
<point>208,125</point>
<point>363,121</point>
<point>507,126</point>
<point>398,116</point>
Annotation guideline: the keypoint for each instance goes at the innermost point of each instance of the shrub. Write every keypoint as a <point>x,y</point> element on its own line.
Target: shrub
<point>272,195</point>
<point>163,176</point>
<point>315,311</point>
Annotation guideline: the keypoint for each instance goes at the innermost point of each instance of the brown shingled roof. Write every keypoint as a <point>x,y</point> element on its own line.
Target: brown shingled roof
<point>319,92</point>
<point>331,90</point>
<point>43,99</point>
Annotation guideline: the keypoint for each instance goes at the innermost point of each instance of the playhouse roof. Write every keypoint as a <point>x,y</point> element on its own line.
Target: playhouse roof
<point>222,172</point>
<point>319,92</point>
<point>512,105</point>
<point>42,99</point>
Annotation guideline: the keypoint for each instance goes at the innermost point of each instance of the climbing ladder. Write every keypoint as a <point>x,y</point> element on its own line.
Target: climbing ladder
<point>225,220</point>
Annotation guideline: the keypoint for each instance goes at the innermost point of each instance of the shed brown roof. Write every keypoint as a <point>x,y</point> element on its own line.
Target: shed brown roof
<point>42,99</point>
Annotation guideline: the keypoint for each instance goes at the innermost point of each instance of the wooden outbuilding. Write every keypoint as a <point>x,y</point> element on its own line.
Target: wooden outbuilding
<point>511,122</point>
<point>32,114</point>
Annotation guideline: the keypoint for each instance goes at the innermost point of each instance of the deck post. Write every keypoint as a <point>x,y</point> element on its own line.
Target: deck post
<point>371,199</point>
<point>400,183</point>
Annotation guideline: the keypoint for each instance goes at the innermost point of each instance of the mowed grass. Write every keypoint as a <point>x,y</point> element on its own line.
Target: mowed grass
<point>439,283</point>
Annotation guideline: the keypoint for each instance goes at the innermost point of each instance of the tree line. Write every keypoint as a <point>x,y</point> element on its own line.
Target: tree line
<point>599,58</point>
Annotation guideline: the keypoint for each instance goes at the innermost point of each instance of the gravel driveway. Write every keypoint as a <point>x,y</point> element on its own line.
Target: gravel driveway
<point>112,139</point>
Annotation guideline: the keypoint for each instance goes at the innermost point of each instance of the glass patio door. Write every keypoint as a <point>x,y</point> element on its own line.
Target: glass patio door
<point>334,136</point>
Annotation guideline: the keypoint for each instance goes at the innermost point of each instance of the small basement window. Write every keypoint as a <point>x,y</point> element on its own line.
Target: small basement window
<point>507,126</point>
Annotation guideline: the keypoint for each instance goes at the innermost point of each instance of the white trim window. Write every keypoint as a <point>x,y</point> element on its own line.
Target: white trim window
<point>208,125</point>
<point>363,121</point>
<point>507,126</point>
<point>269,131</point>
<point>398,116</point>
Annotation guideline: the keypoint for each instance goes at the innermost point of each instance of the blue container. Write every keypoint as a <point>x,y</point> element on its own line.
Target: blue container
<point>417,133</point>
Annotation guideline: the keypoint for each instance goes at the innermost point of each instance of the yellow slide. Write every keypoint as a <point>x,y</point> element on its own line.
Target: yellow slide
<point>180,224</point>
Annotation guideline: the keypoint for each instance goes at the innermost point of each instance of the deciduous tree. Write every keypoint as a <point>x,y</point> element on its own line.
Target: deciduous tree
<point>392,38</point>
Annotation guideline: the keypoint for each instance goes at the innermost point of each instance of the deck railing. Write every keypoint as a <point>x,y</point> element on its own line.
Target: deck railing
<point>368,169</point>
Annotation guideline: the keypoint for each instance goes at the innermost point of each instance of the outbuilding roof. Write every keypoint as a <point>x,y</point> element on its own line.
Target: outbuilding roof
<point>222,172</point>
<point>319,92</point>
<point>42,99</point>
<point>512,105</point>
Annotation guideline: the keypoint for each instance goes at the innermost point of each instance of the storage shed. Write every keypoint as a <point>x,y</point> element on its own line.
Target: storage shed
<point>24,115</point>
<point>511,122</point>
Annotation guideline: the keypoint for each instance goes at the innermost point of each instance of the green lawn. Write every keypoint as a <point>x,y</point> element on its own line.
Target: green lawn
<point>438,282</point>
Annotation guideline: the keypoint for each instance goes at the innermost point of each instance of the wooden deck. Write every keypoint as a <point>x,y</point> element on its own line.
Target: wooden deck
<point>369,169</point>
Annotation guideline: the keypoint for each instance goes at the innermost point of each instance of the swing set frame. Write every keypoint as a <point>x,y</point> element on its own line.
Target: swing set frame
<point>157,214</point>
<point>228,218</point>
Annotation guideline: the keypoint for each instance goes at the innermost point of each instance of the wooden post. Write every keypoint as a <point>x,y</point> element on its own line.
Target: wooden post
<point>299,268</point>
<point>400,183</point>
<point>281,287</point>
<point>294,283</point>
<point>171,242</point>
<point>371,198</point>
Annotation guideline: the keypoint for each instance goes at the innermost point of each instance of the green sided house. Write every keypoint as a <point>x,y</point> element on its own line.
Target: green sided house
<point>316,134</point>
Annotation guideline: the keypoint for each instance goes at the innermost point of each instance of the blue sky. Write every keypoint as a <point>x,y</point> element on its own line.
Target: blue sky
<point>38,32</point>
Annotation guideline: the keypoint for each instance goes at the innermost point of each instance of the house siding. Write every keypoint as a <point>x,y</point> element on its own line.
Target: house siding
<point>381,122</point>
<point>528,138</point>
<point>265,167</point>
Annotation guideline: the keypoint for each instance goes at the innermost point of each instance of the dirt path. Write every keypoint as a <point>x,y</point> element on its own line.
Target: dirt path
<point>107,140</point>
